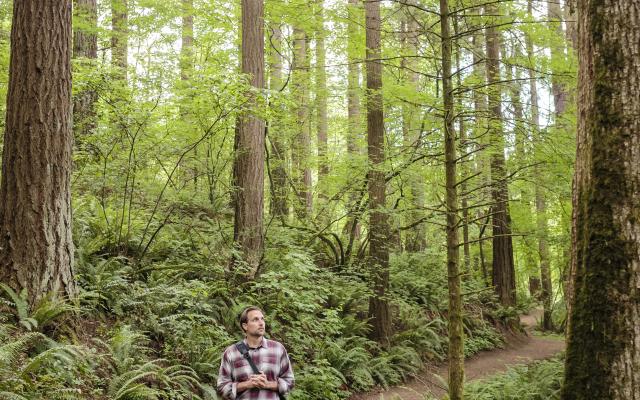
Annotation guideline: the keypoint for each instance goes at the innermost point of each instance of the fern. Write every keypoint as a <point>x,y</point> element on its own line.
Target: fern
<point>10,352</point>
<point>21,307</point>
<point>50,309</point>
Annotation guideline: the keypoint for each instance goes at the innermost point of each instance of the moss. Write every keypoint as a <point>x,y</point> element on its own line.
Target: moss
<point>599,330</point>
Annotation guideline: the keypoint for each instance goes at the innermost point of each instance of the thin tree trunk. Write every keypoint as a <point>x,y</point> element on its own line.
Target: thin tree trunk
<point>464,149</point>
<point>456,341</point>
<point>353,101</point>
<point>85,46</point>
<point>416,238</point>
<point>321,101</point>
<point>603,346</point>
<point>379,313</point>
<point>120,37</point>
<point>186,68</point>
<point>279,192</point>
<point>503,267</point>
<point>302,143</point>
<point>36,249</point>
<point>554,14</point>
<point>249,158</point>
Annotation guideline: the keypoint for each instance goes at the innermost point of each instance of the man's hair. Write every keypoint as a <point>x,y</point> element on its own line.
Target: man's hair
<point>244,315</point>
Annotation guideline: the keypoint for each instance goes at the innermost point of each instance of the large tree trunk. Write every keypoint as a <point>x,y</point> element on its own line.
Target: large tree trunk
<point>602,360</point>
<point>301,151</point>
<point>378,220</point>
<point>120,37</point>
<point>85,46</point>
<point>36,250</point>
<point>503,268</point>
<point>321,101</point>
<point>278,161</point>
<point>249,158</point>
<point>456,343</point>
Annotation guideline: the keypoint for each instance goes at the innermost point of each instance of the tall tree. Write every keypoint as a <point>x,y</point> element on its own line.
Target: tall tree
<point>416,238</point>
<point>36,249</point>
<point>278,205</point>
<point>554,13</point>
<point>602,359</point>
<point>321,99</point>
<point>456,343</point>
<point>540,199</point>
<point>85,46</point>
<point>248,169</point>
<point>504,279</point>
<point>378,219</point>
<point>301,150</point>
<point>354,129</point>
<point>120,36</point>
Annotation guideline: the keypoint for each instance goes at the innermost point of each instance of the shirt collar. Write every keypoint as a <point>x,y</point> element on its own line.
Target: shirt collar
<point>263,343</point>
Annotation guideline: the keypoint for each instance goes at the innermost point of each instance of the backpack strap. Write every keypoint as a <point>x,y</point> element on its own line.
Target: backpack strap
<point>244,350</point>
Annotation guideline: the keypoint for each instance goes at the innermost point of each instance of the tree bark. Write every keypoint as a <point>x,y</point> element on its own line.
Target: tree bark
<point>36,249</point>
<point>379,313</point>
<point>456,341</point>
<point>503,268</point>
<point>85,46</point>
<point>603,346</point>
<point>249,158</point>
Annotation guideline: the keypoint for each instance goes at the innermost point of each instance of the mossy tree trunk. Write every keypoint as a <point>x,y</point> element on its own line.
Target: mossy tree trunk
<point>456,343</point>
<point>36,250</point>
<point>603,346</point>
<point>379,312</point>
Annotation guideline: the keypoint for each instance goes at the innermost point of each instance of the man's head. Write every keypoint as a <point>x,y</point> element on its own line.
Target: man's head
<point>252,321</point>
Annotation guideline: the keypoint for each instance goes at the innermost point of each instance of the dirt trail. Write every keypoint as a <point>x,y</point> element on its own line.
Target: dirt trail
<point>517,351</point>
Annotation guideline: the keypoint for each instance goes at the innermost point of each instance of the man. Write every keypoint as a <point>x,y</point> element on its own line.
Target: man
<point>237,380</point>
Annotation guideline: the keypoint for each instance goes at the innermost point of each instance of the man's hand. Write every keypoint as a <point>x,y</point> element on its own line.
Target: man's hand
<point>254,381</point>
<point>267,384</point>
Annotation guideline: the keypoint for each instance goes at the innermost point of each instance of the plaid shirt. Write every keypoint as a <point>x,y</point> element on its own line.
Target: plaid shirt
<point>270,357</point>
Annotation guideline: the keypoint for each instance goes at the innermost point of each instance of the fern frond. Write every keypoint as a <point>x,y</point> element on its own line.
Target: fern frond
<point>11,396</point>
<point>10,352</point>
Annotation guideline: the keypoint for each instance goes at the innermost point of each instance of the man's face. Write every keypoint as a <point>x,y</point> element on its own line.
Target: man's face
<point>255,324</point>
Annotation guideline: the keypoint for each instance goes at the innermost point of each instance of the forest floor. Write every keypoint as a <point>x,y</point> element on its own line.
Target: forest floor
<point>517,350</point>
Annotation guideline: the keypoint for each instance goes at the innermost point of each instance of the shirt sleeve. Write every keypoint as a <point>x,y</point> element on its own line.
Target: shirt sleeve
<point>285,379</point>
<point>227,388</point>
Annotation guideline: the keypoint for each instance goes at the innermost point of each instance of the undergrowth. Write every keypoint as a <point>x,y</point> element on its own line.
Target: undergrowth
<point>156,329</point>
<point>537,381</point>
